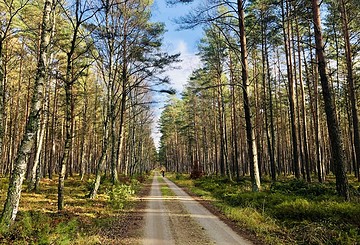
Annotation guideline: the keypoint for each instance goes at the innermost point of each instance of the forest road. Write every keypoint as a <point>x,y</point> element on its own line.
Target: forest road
<point>179,219</point>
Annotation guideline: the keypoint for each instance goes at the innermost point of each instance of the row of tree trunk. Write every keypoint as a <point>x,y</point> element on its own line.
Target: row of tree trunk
<point>76,99</point>
<point>283,125</point>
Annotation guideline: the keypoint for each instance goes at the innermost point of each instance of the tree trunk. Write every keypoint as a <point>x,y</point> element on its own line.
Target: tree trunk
<point>84,129</point>
<point>334,131</point>
<point>68,139</point>
<point>40,137</point>
<point>286,34</point>
<point>100,168</point>
<point>14,192</point>
<point>234,123</point>
<point>252,151</point>
<point>351,86</point>
<point>2,100</point>
<point>267,88</point>
<point>303,109</point>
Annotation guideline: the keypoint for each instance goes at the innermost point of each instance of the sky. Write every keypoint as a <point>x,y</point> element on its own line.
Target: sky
<point>175,41</point>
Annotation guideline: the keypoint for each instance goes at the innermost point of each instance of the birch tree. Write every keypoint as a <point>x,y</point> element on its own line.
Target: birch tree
<point>14,191</point>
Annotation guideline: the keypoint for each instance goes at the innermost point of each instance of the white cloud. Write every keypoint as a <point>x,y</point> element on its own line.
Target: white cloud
<point>189,62</point>
<point>178,77</point>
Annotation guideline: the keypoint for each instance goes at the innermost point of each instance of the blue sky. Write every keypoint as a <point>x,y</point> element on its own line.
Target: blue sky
<point>163,12</point>
<point>175,41</point>
<point>178,41</point>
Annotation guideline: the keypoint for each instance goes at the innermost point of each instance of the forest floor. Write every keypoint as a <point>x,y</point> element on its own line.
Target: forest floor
<point>154,210</point>
<point>114,217</point>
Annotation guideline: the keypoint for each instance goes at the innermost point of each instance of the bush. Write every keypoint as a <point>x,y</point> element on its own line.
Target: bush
<point>196,174</point>
<point>141,178</point>
<point>120,195</point>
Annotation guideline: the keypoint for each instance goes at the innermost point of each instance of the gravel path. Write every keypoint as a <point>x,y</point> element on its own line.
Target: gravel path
<point>181,220</point>
<point>157,228</point>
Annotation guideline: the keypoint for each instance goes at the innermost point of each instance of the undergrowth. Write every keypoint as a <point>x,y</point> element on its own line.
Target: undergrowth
<point>83,220</point>
<point>284,212</point>
<point>120,195</point>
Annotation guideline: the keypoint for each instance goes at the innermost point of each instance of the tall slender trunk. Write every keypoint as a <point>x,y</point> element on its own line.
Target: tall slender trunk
<point>252,151</point>
<point>234,122</point>
<point>68,114</point>
<point>100,166</point>
<point>40,138</point>
<point>351,86</point>
<point>68,140</point>
<point>14,192</point>
<point>221,122</point>
<point>334,131</point>
<point>124,91</point>
<point>121,122</point>
<point>52,156</point>
<point>286,34</point>
<point>84,129</point>
<point>2,94</point>
<point>113,160</point>
<point>267,88</point>
<point>303,109</point>
<point>104,150</point>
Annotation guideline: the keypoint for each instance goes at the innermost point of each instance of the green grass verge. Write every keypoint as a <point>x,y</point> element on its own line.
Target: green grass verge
<point>286,212</point>
<point>166,191</point>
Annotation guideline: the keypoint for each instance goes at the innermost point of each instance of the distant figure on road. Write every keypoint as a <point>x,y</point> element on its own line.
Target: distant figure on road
<point>163,173</point>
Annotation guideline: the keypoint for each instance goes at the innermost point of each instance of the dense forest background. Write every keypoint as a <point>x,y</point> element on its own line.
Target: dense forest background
<point>276,95</point>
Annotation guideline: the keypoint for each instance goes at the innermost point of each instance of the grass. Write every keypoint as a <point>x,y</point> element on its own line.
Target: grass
<point>166,191</point>
<point>286,212</point>
<point>38,221</point>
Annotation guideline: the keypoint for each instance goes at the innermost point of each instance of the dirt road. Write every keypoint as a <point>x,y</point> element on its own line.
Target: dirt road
<point>180,219</point>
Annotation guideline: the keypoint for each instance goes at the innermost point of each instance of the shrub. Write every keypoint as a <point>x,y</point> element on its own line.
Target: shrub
<point>141,178</point>
<point>196,174</point>
<point>120,195</point>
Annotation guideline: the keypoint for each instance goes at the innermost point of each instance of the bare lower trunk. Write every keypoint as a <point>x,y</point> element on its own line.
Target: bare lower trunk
<point>34,172</point>
<point>288,54</point>
<point>334,131</point>
<point>303,108</point>
<point>67,148</point>
<point>351,87</point>
<point>2,128</point>
<point>252,150</point>
<point>99,171</point>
